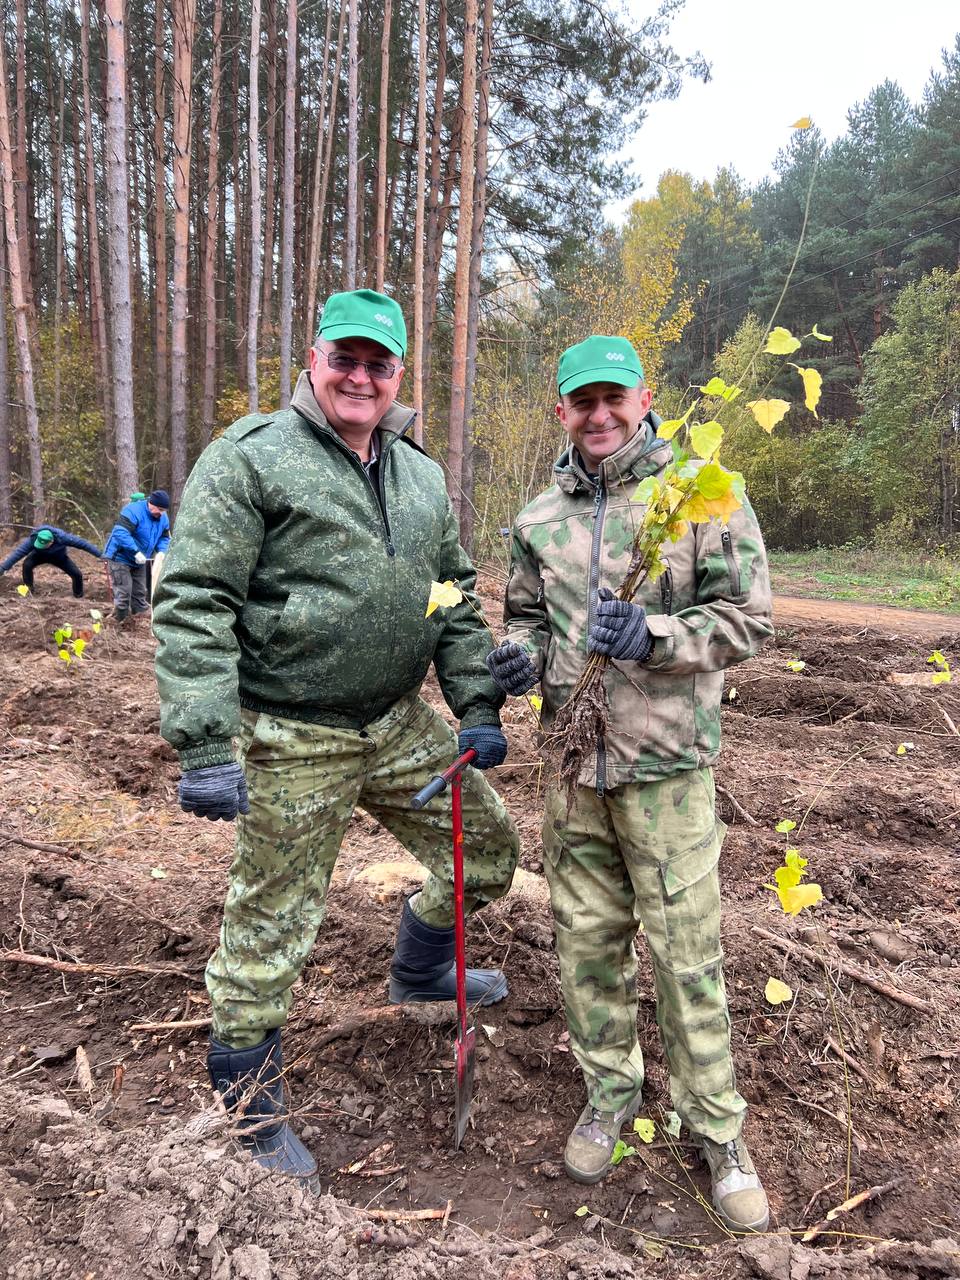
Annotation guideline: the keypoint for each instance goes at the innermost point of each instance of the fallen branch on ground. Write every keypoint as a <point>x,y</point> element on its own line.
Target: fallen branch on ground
<point>851,971</point>
<point>436,1014</point>
<point>738,807</point>
<point>100,970</point>
<point>850,1060</point>
<point>185,1024</point>
<point>854,1202</point>
<point>402,1215</point>
<point>11,837</point>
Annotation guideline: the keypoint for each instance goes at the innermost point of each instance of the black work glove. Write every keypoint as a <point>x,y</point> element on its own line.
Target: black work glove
<point>620,629</point>
<point>215,791</point>
<point>488,742</point>
<point>511,668</point>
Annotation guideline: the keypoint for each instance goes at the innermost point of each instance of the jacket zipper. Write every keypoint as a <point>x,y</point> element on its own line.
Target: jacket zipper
<point>593,586</point>
<point>666,591</point>
<point>732,569</point>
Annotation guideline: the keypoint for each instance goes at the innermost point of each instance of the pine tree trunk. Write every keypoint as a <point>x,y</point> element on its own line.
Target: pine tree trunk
<point>350,236</point>
<point>80,233</point>
<point>212,248</point>
<point>97,304</point>
<point>20,323</point>
<point>327,168</point>
<point>286,240</point>
<point>118,250</point>
<point>380,246</point>
<point>6,500</point>
<point>316,221</point>
<point>267,332</point>
<point>184,25</point>
<point>468,510</point>
<point>161,312</point>
<point>461,297</point>
<point>21,168</point>
<point>256,230</point>
<point>418,235</point>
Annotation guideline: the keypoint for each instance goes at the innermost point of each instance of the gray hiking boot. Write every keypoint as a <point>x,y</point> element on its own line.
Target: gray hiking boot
<point>738,1195</point>
<point>589,1151</point>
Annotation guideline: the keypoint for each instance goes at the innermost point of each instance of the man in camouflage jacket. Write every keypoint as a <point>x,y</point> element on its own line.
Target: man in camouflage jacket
<point>640,844</point>
<point>291,615</point>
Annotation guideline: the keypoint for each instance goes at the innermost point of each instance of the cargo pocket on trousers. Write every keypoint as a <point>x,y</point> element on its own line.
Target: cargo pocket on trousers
<point>560,898</point>
<point>690,889</point>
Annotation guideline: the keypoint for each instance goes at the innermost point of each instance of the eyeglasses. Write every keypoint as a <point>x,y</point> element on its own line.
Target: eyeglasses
<point>340,362</point>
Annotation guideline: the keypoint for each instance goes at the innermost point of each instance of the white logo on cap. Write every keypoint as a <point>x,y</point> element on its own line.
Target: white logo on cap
<point>615,355</point>
<point>389,323</point>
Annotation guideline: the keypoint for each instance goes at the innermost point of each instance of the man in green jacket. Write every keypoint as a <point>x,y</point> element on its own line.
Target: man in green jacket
<point>291,615</point>
<point>640,844</point>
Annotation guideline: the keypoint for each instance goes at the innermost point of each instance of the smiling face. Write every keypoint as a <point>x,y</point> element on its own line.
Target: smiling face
<point>353,403</point>
<point>601,417</point>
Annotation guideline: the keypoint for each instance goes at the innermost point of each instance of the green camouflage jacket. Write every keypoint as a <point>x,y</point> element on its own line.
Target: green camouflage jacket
<point>709,610</point>
<point>292,588</point>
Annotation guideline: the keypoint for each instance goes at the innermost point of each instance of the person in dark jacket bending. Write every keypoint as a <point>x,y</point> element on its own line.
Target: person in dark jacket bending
<point>48,545</point>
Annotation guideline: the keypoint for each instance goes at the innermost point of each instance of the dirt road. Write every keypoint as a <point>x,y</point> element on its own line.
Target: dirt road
<point>851,613</point>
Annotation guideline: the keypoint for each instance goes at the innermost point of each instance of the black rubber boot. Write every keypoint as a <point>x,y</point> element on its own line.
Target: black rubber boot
<point>423,967</point>
<point>120,615</point>
<point>250,1082</point>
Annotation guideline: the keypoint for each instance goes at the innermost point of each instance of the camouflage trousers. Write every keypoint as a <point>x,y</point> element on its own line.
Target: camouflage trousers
<point>644,856</point>
<point>304,782</point>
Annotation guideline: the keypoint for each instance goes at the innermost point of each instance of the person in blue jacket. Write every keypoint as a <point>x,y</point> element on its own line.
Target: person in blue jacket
<point>48,545</point>
<point>141,532</point>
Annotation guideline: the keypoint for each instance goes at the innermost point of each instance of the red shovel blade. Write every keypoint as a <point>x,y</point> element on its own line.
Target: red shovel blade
<point>466,1047</point>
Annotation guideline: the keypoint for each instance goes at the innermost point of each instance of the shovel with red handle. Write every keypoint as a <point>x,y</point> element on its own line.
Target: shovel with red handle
<point>466,1034</point>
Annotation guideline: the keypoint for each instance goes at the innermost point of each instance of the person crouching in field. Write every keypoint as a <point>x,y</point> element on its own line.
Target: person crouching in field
<point>48,545</point>
<point>639,846</point>
<point>141,532</point>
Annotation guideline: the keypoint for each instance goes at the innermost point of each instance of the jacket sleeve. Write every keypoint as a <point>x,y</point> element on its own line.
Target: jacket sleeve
<point>201,591</point>
<point>523,608</point>
<point>164,543</point>
<point>122,535</point>
<point>467,686</point>
<point>732,616</point>
<point>18,552</point>
<point>81,544</point>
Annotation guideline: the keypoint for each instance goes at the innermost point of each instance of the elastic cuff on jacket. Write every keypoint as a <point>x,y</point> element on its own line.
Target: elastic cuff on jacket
<point>200,754</point>
<point>474,716</point>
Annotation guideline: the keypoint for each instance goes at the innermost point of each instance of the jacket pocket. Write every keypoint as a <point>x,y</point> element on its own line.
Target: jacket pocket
<point>733,569</point>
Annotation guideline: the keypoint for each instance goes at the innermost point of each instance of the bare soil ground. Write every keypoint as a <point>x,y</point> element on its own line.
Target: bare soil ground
<point>124,1170</point>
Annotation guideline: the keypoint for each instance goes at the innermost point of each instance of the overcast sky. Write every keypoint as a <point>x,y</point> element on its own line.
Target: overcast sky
<point>774,62</point>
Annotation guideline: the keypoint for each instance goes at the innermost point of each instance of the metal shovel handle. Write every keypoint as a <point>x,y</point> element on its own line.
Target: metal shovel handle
<point>442,780</point>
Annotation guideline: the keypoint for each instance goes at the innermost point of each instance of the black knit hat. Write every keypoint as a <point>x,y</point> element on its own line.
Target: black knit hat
<point>159,498</point>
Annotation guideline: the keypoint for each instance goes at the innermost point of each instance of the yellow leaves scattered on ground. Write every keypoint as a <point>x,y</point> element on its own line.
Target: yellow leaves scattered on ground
<point>777,992</point>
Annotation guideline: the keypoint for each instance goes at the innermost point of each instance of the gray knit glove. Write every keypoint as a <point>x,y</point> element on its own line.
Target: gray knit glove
<point>511,668</point>
<point>215,791</point>
<point>487,741</point>
<point>620,629</point>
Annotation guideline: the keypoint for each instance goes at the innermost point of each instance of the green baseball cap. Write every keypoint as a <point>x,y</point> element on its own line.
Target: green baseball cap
<point>364,314</point>
<point>43,539</point>
<point>599,359</point>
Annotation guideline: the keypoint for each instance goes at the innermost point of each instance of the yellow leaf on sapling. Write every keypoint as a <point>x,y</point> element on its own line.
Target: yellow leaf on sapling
<point>79,646</point>
<point>796,899</point>
<point>535,701</point>
<point>644,1129</point>
<point>667,430</point>
<point>62,653</point>
<point>781,342</point>
<point>23,589</point>
<point>705,438</point>
<point>443,595</point>
<point>713,481</point>
<point>698,509</point>
<point>812,383</point>
<point>821,337</point>
<point>581,1212</point>
<point>768,412</point>
<point>785,826</point>
<point>715,387</point>
<point>777,992</point>
<point>803,123</point>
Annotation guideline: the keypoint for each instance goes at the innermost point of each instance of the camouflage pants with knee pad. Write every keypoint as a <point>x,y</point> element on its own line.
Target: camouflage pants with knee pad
<point>304,782</point>
<point>644,856</point>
